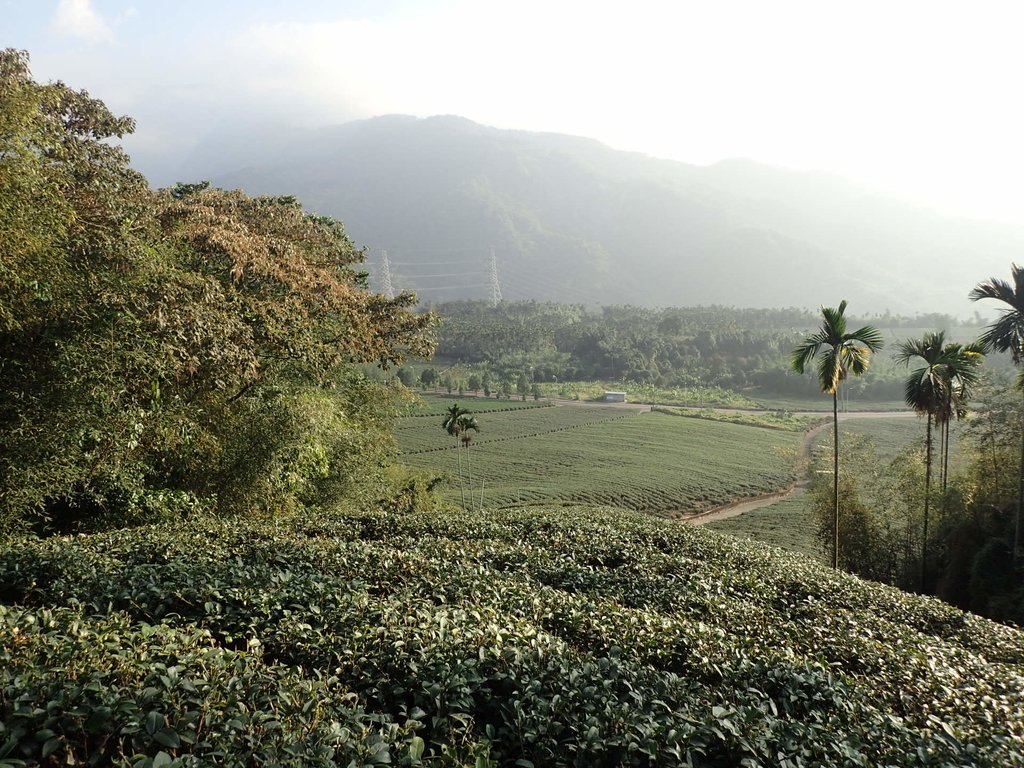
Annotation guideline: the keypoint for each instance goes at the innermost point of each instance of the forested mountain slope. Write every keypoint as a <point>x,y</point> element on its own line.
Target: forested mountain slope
<point>572,220</point>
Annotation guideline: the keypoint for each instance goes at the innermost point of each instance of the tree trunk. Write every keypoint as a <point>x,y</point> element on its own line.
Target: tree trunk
<point>945,469</point>
<point>462,483</point>
<point>1020,502</point>
<point>943,452</point>
<point>835,480</point>
<point>469,471</point>
<point>927,495</point>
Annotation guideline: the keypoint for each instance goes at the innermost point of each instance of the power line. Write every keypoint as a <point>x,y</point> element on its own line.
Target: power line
<point>449,287</point>
<point>448,274</point>
<point>436,263</point>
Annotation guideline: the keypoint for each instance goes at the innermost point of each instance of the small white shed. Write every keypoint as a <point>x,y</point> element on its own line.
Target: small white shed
<point>614,397</point>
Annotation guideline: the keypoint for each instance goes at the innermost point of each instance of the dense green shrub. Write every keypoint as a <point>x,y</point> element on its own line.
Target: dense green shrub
<point>162,351</point>
<point>557,637</point>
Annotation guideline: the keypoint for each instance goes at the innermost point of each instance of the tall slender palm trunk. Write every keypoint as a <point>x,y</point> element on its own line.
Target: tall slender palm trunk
<point>462,482</point>
<point>1020,499</point>
<point>835,480</point>
<point>927,498</point>
<point>469,471</point>
<point>943,450</point>
<point>945,461</point>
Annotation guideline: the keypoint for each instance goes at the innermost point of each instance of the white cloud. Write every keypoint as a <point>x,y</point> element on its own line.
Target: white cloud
<point>77,18</point>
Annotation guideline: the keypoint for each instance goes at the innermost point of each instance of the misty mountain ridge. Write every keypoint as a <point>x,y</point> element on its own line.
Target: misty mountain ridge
<point>570,219</point>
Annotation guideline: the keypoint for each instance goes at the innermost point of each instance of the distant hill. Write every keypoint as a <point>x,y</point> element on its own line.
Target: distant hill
<point>573,220</point>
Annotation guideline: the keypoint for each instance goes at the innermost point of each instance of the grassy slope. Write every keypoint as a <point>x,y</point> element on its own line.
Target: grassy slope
<point>789,523</point>
<point>602,455</point>
<point>558,637</point>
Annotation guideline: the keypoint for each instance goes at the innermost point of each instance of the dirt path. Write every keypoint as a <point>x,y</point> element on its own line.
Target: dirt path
<point>742,506</point>
<point>749,504</point>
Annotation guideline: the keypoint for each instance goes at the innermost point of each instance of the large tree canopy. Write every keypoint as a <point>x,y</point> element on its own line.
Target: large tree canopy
<point>169,345</point>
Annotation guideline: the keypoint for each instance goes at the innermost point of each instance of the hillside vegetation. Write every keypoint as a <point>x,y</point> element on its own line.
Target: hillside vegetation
<point>208,555</point>
<point>605,455</point>
<point>169,351</point>
<point>573,220</point>
<point>544,637</point>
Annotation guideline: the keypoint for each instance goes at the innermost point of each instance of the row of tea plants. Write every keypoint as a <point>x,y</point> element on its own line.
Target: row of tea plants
<point>545,637</point>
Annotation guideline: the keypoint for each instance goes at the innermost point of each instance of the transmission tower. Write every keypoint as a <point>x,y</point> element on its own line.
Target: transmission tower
<point>495,285</point>
<point>385,276</point>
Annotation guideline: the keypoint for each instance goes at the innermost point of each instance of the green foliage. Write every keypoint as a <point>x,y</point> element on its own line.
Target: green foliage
<point>610,455</point>
<point>679,355</point>
<point>788,523</point>
<point>648,393</point>
<point>554,637</point>
<point>882,491</point>
<point>784,420</point>
<point>429,405</point>
<point>969,552</point>
<point>165,351</point>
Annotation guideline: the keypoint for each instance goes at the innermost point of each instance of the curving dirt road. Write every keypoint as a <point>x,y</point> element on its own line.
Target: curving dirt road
<point>742,506</point>
<point>749,504</point>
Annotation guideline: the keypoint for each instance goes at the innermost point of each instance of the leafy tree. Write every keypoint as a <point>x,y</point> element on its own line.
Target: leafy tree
<point>1007,335</point>
<point>522,385</point>
<point>428,377</point>
<point>841,353</point>
<point>158,349</point>
<point>405,376</point>
<point>994,430</point>
<point>943,379</point>
<point>474,382</point>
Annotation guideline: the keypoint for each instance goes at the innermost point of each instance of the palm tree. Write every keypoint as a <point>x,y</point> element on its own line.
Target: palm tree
<point>947,373</point>
<point>453,427</point>
<point>957,394</point>
<point>1007,335</point>
<point>841,353</point>
<point>468,424</point>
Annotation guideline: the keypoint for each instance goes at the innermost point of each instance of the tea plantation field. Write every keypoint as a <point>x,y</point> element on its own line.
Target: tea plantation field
<point>788,523</point>
<point>539,637</point>
<point>605,455</point>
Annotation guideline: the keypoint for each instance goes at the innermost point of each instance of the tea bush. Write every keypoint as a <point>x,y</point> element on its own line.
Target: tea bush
<point>576,636</point>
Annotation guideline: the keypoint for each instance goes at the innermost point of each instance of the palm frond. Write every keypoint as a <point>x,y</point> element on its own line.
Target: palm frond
<point>840,352</point>
<point>856,358</point>
<point>923,391</point>
<point>908,350</point>
<point>450,424</point>
<point>830,371</point>
<point>804,353</point>
<point>869,336</point>
<point>1006,335</point>
<point>835,322</point>
<point>1001,290</point>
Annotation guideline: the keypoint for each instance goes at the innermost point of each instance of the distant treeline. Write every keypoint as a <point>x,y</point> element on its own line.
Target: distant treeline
<point>677,346</point>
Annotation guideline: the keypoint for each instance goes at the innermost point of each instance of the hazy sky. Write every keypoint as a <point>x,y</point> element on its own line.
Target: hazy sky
<point>920,97</point>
